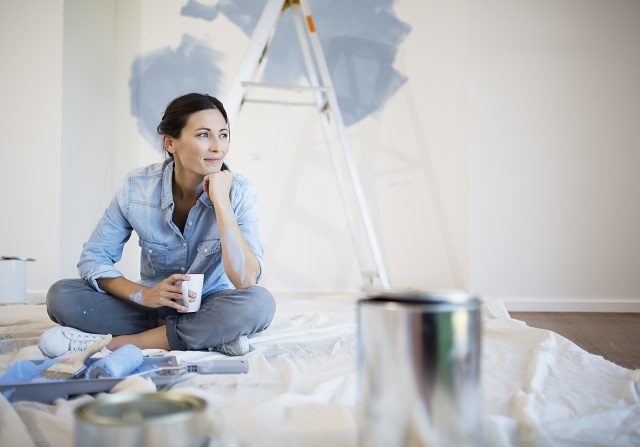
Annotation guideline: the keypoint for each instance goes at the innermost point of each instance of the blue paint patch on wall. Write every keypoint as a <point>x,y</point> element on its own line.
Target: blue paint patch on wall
<point>360,39</point>
<point>161,75</point>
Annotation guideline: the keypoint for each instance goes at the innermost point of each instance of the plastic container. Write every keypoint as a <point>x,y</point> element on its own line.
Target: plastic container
<point>13,279</point>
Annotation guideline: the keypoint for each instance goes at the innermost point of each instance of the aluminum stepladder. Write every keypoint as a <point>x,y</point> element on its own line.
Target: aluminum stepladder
<point>362,231</point>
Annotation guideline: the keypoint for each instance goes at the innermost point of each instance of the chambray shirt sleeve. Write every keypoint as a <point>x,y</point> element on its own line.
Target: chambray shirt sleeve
<point>245,200</point>
<point>104,247</point>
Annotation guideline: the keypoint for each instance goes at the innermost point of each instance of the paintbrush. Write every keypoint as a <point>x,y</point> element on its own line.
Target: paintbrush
<point>74,365</point>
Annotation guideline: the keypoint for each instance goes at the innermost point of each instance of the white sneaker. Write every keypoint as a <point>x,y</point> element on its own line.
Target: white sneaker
<point>61,340</point>
<point>239,346</point>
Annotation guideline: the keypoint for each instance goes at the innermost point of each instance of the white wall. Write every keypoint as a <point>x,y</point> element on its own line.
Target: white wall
<point>504,166</point>
<point>554,94</point>
<point>31,127</point>
<point>86,162</point>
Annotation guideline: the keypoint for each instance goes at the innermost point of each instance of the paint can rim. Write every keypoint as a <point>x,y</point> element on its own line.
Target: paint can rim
<point>131,409</point>
<point>421,298</point>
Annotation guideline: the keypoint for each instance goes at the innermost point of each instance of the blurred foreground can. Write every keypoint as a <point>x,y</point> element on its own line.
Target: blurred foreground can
<point>142,420</point>
<point>419,370</point>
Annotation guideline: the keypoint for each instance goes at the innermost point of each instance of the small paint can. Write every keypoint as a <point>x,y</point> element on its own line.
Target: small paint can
<point>142,420</point>
<point>13,279</point>
<point>419,370</point>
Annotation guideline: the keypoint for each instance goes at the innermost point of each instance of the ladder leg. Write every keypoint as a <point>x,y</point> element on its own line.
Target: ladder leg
<point>332,102</point>
<point>321,104</point>
<point>265,28</point>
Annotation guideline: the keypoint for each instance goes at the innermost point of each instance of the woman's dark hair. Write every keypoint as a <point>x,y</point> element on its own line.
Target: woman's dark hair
<point>180,109</point>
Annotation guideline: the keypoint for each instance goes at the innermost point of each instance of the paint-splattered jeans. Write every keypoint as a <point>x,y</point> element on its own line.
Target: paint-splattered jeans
<point>224,315</point>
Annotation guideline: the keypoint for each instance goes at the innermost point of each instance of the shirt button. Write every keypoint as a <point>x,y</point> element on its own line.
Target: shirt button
<point>184,244</point>
<point>182,268</point>
<point>189,223</point>
<point>206,250</point>
<point>150,251</point>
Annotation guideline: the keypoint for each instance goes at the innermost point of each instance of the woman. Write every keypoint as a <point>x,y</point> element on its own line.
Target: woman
<point>191,215</point>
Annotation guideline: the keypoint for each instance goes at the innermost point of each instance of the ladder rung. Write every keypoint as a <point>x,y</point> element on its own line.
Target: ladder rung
<point>284,103</point>
<point>300,88</point>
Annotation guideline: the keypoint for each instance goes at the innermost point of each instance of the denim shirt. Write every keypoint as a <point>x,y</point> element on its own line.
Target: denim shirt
<point>144,204</point>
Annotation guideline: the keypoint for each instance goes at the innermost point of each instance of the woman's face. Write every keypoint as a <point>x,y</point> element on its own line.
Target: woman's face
<point>203,144</point>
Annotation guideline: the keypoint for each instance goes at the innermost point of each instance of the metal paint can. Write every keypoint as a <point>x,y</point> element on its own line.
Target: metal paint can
<point>142,420</point>
<point>419,370</point>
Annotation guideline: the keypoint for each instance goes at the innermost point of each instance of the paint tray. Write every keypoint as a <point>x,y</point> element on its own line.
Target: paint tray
<point>22,382</point>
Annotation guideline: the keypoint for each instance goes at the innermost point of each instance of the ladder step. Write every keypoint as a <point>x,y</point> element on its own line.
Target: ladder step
<point>284,103</point>
<point>300,88</point>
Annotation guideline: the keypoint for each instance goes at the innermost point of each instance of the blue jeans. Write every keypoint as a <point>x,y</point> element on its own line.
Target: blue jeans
<point>223,315</point>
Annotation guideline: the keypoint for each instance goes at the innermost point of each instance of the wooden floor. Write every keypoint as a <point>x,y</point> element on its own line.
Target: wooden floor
<point>614,336</point>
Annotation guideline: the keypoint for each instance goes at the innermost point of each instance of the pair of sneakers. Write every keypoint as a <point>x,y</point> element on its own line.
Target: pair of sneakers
<point>62,340</point>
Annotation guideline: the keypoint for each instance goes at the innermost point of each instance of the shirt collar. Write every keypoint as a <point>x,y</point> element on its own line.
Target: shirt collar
<point>167,182</point>
<point>167,187</point>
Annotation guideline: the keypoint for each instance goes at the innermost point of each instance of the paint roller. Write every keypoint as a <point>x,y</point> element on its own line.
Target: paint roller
<point>125,360</point>
<point>120,363</point>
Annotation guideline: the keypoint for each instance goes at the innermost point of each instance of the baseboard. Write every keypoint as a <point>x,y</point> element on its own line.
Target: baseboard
<point>36,297</point>
<point>512,305</point>
<point>604,305</point>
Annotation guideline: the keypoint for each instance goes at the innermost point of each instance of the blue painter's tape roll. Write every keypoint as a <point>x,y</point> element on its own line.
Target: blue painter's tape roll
<point>120,363</point>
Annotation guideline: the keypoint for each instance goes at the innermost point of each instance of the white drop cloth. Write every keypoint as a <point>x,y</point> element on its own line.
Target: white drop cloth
<point>539,388</point>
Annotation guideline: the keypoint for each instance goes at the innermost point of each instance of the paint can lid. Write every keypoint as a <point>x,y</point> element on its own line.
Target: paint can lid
<point>417,298</point>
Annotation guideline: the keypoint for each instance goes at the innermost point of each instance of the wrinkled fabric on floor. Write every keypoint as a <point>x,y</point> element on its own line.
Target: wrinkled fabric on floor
<point>539,388</point>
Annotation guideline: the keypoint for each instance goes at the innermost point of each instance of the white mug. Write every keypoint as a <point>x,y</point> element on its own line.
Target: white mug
<point>195,285</point>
